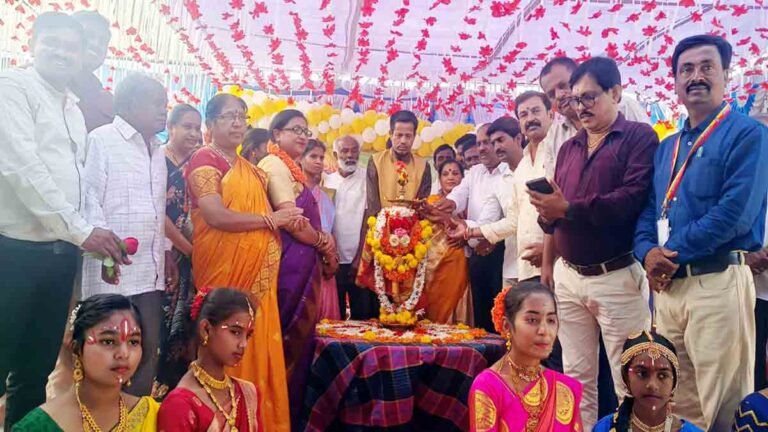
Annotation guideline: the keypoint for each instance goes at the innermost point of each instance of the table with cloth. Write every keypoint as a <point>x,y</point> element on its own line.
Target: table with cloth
<point>365,377</point>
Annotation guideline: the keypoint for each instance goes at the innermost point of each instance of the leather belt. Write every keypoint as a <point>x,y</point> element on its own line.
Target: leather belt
<point>715,264</point>
<point>612,264</point>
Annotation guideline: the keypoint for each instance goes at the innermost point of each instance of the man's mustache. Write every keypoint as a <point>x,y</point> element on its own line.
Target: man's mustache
<point>694,84</point>
<point>531,124</point>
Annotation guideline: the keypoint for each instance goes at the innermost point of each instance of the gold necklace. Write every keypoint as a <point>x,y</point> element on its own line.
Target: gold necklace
<point>230,417</point>
<point>596,142</point>
<point>90,425</point>
<point>642,427</point>
<point>203,376</point>
<point>220,152</point>
<point>525,373</point>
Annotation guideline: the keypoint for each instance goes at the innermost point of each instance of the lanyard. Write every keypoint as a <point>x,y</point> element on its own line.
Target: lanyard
<point>676,179</point>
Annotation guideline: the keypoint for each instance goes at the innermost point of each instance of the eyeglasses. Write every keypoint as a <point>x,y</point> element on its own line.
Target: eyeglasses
<point>233,117</point>
<point>587,100</point>
<point>298,130</point>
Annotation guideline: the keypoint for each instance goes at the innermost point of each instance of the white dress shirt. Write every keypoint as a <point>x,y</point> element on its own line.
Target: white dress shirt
<point>483,195</point>
<point>42,155</point>
<point>125,192</point>
<point>350,208</point>
<point>520,223</point>
<point>497,198</point>
<point>562,130</point>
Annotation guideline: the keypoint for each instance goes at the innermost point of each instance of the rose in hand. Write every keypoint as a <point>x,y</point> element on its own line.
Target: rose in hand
<point>110,269</point>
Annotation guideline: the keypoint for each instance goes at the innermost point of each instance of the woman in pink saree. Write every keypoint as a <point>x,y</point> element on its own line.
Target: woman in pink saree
<point>517,394</point>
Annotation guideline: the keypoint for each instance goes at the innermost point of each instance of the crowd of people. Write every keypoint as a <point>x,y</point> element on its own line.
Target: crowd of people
<point>606,259</point>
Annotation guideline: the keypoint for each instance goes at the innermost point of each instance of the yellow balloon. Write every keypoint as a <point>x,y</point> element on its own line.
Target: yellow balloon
<point>345,130</point>
<point>358,125</point>
<point>326,111</point>
<point>366,146</point>
<point>280,105</point>
<point>313,117</point>
<point>331,137</point>
<point>424,150</point>
<point>380,144</point>
<point>437,142</point>
<point>255,113</point>
<point>370,118</point>
<point>268,106</point>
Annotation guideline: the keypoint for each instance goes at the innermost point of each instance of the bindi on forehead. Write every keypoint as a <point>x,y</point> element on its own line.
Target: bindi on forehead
<point>121,323</point>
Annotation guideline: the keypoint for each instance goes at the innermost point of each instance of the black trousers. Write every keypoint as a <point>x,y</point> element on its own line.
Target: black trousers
<point>761,327</point>
<point>36,281</point>
<point>363,304</point>
<point>486,275</point>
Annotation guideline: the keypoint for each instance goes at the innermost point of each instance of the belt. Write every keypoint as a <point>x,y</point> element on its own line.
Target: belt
<point>714,264</point>
<point>612,264</point>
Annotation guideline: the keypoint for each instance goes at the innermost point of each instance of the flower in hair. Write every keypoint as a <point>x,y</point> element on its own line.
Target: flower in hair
<point>73,316</point>
<point>497,312</point>
<point>197,303</point>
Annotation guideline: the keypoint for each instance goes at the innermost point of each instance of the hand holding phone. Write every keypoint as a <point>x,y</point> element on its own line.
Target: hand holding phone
<point>540,185</point>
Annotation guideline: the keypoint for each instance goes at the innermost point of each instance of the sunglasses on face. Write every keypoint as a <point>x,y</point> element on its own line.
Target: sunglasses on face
<point>587,100</point>
<point>298,130</point>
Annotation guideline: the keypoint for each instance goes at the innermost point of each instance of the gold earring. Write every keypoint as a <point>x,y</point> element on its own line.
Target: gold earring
<point>509,342</point>
<point>128,384</point>
<point>77,372</point>
<point>205,340</point>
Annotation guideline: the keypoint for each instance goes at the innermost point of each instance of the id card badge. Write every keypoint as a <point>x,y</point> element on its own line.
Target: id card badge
<point>662,231</point>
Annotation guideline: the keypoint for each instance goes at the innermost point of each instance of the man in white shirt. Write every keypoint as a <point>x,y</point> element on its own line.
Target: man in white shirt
<point>520,222</point>
<point>42,142</point>
<point>125,175</point>
<point>349,182</point>
<point>486,261</point>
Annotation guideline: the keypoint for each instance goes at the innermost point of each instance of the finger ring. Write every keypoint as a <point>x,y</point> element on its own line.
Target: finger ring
<point>664,276</point>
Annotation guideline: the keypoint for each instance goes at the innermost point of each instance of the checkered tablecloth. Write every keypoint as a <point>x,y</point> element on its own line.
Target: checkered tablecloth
<point>368,386</point>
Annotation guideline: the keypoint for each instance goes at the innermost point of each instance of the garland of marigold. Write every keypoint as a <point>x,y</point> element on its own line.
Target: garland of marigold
<point>296,172</point>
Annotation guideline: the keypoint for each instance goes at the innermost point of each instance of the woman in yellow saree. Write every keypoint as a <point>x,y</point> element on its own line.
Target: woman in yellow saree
<point>236,244</point>
<point>106,345</point>
<point>447,277</point>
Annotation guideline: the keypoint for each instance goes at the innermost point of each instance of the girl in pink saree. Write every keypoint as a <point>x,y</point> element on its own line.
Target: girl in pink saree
<point>517,394</point>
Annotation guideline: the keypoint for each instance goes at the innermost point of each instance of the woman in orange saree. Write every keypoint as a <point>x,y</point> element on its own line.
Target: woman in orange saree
<point>237,245</point>
<point>517,393</point>
<point>447,276</point>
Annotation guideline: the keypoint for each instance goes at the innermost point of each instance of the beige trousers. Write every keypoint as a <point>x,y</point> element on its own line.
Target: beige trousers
<point>615,304</point>
<point>711,321</point>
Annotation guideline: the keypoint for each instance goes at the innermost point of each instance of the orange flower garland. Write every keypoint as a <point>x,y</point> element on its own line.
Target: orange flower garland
<point>497,312</point>
<point>293,167</point>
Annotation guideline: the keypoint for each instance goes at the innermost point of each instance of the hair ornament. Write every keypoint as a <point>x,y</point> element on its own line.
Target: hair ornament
<point>73,316</point>
<point>197,303</point>
<point>497,312</point>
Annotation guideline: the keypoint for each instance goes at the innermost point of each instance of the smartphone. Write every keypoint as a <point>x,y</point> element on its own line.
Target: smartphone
<point>540,185</point>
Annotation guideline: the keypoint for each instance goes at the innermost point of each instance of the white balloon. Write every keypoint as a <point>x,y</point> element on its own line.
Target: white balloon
<point>369,135</point>
<point>437,128</point>
<point>248,99</point>
<point>323,127</point>
<point>347,115</point>
<point>428,134</point>
<point>335,121</point>
<point>314,131</point>
<point>381,127</point>
<point>357,137</point>
<point>264,122</point>
<point>259,97</point>
<point>303,106</point>
<point>417,142</point>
